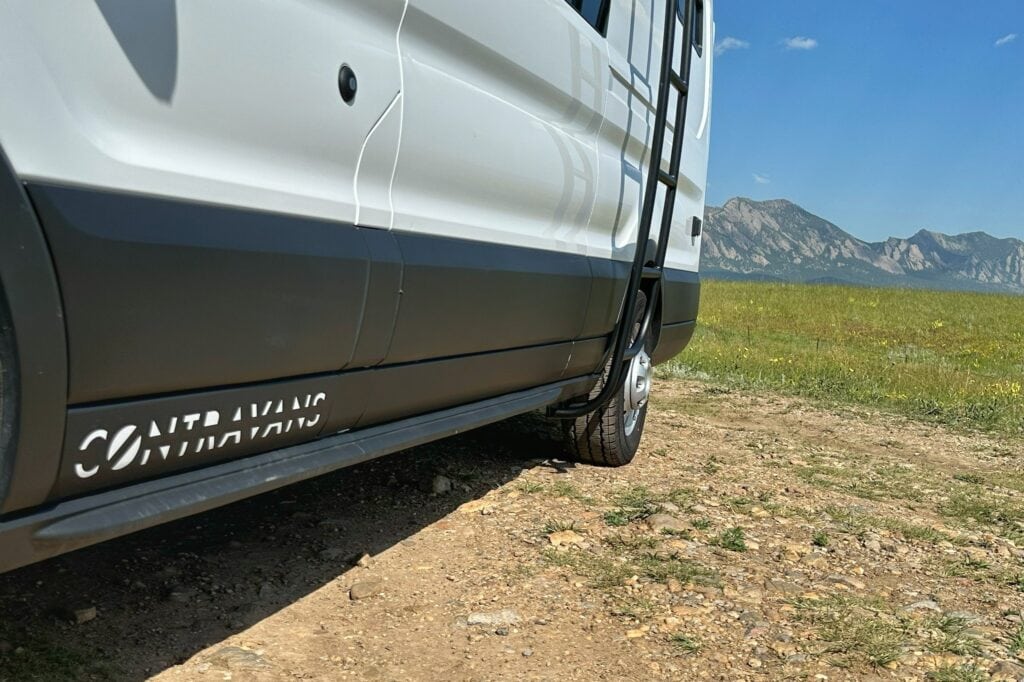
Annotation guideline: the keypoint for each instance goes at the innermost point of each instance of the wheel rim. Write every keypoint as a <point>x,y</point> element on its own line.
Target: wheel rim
<point>636,390</point>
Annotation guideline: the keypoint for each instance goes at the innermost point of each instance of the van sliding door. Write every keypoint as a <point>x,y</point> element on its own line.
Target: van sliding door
<point>496,176</point>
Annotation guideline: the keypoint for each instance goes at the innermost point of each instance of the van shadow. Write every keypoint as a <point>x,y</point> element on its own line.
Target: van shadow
<point>166,593</point>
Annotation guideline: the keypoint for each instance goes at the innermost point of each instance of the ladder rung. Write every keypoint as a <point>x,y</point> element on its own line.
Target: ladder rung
<point>651,273</point>
<point>682,86</point>
<point>668,179</point>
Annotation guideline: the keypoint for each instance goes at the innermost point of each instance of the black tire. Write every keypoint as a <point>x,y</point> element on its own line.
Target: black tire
<point>602,437</point>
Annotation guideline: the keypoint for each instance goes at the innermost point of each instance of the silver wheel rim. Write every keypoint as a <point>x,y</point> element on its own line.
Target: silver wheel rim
<point>636,390</point>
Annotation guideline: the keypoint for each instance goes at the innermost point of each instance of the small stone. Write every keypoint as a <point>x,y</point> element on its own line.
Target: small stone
<point>493,618</point>
<point>977,554</point>
<point>873,546</point>
<point>635,634</point>
<point>566,538</point>
<point>661,523</point>
<point>674,586</point>
<point>85,615</point>
<point>923,605</point>
<point>365,589</point>
<point>333,554</point>
<point>669,507</point>
<point>236,658</point>
<point>442,485</point>
<point>527,653</point>
<point>182,595</point>
<point>793,552</point>
<point>754,663</point>
<point>363,561</point>
<point>783,587</point>
<point>846,581</point>
<point>1006,670</point>
<point>473,506</point>
<point>814,560</point>
<point>501,632</point>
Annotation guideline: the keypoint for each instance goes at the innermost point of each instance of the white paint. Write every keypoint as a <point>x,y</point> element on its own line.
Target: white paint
<point>99,451</point>
<point>512,122</point>
<point>253,119</point>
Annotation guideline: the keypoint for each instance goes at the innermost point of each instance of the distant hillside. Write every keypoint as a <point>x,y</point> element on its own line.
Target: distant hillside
<point>778,240</point>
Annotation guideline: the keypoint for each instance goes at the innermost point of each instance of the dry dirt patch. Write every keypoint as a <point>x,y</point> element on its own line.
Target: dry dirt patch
<point>755,537</point>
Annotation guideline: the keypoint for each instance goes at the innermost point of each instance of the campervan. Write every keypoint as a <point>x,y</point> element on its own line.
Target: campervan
<point>243,244</point>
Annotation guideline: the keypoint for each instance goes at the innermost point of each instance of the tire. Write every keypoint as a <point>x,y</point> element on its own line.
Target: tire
<point>606,437</point>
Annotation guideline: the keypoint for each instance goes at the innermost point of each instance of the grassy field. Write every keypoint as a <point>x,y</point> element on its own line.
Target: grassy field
<point>955,358</point>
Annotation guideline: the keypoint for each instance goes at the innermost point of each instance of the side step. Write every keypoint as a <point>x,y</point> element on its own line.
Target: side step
<point>84,521</point>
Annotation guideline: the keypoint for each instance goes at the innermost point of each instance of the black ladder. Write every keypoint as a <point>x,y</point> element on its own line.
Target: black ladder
<point>645,274</point>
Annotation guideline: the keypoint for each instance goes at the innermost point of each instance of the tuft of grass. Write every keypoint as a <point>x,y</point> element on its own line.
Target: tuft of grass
<point>603,572</point>
<point>701,524</point>
<point>732,539</point>
<point>988,510</point>
<point>558,526</point>
<point>974,479</point>
<point>1014,580</point>
<point>685,643</point>
<point>856,630</point>
<point>858,522</point>
<point>638,502</point>
<point>1016,643</point>
<point>949,634</point>
<point>607,572</point>
<point>947,357</point>
<point>820,539</point>
<point>630,543</point>
<point>712,466</point>
<point>632,606</point>
<point>662,568</point>
<point>568,490</point>
<point>530,487</point>
<point>617,518</point>
<point>958,673</point>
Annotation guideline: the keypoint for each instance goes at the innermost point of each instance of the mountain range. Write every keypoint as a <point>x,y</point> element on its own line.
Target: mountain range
<point>778,240</point>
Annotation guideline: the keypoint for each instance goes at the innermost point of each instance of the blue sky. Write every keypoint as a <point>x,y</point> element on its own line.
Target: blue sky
<point>883,116</point>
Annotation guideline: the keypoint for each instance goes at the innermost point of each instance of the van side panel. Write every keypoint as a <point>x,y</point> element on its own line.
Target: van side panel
<point>232,102</point>
<point>164,296</point>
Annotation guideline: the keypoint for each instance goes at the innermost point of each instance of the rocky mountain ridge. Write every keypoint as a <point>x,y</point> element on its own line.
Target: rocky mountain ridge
<point>779,240</point>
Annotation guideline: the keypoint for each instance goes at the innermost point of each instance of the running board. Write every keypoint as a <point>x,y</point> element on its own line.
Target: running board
<point>84,521</point>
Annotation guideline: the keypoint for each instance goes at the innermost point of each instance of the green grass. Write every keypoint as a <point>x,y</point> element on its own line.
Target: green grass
<point>950,634</point>
<point>858,522</point>
<point>685,643</point>
<point>949,357</point>
<point>732,539</point>
<point>958,673</point>
<point>638,502</point>
<point>856,630</point>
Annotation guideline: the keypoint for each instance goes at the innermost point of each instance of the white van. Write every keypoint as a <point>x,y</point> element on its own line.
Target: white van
<point>244,243</point>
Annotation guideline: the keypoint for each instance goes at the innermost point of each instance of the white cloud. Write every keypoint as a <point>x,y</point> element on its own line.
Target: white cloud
<point>730,43</point>
<point>1006,40</point>
<point>800,43</point>
<point>762,179</point>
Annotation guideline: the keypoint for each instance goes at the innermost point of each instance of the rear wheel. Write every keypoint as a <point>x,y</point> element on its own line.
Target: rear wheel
<point>611,436</point>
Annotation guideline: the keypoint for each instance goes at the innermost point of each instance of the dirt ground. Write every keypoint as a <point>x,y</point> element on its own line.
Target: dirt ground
<point>755,537</point>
